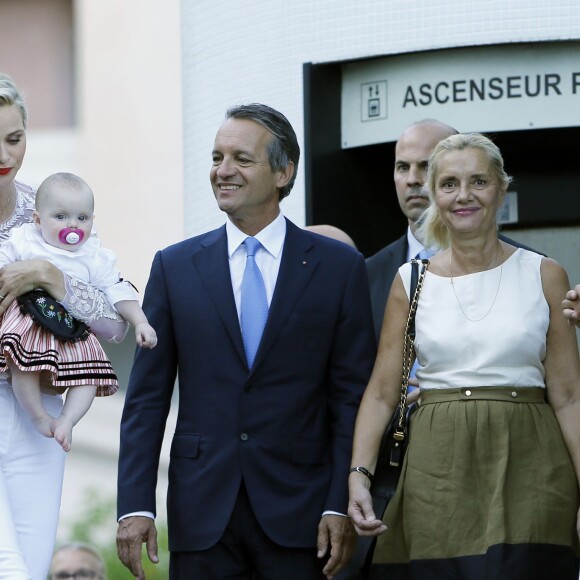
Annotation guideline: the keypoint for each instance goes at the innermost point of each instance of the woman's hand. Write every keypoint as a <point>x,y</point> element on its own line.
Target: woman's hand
<point>360,507</point>
<point>21,277</point>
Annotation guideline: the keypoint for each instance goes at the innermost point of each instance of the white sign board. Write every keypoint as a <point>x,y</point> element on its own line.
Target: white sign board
<point>487,88</point>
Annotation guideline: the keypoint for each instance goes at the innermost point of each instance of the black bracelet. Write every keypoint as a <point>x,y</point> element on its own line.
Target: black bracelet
<point>364,471</point>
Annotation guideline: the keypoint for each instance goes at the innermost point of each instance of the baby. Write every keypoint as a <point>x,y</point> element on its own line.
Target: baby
<point>73,359</point>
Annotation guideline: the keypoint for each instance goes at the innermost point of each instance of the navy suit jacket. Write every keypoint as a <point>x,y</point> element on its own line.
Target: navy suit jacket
<point>285,427</point>
<point>382,269</point>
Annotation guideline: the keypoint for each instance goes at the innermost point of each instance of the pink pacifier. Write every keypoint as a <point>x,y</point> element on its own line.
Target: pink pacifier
<point>71,236</point>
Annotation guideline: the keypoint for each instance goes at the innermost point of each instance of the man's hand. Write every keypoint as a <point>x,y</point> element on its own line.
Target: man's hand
<point>26,275</point>
<point>571,305</point>
<point>337,533</point>
<point>131,534</point>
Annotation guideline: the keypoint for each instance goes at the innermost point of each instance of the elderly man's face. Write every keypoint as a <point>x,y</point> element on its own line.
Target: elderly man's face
<point>77,564</point>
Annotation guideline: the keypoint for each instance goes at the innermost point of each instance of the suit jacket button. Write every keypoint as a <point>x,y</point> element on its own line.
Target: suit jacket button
<point>244,436</point>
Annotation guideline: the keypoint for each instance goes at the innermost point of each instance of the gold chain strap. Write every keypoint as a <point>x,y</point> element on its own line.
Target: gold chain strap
<point>408,351</point>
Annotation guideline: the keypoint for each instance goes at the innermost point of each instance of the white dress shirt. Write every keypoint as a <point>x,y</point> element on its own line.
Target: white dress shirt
<point>415,246</point>
<point>267,257</point>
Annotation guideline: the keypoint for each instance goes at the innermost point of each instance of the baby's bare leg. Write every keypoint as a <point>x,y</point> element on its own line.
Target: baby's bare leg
<point>26,387</point>
<point>78,402</point>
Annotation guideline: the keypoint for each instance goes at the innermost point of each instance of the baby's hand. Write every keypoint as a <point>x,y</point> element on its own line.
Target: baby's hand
<point>145,335</point>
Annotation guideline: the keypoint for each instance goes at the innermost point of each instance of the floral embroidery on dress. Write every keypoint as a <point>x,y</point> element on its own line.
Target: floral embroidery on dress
<point>50,311</point>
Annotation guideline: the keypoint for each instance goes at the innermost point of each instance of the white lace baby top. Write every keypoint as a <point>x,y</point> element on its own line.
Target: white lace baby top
<point>506,347</point>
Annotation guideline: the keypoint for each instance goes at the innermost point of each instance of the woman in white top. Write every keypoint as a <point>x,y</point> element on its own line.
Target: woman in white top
<point>489,486</point>
<point>32,466</point>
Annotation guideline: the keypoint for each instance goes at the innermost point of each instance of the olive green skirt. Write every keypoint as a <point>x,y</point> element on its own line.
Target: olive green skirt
<point>487,484</point>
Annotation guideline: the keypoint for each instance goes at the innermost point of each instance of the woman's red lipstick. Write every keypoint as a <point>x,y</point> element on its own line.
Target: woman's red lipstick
<point>5,170</point>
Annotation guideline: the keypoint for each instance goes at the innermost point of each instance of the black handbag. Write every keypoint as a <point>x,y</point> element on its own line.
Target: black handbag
<point>52,316</point>
<point>396,436</point>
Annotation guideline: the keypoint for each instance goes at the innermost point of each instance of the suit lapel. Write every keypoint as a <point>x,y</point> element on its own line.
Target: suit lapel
<point>213,268</point>
<point>296,270</point>
<point>399,257</point>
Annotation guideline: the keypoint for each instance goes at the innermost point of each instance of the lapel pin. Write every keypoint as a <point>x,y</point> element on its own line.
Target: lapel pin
<point>304,262</point>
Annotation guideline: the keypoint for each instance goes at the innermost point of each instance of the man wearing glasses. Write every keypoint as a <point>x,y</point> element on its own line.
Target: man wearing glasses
<point>77,561</point>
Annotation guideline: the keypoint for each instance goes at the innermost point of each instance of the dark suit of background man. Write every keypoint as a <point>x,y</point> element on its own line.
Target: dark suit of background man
<point>260,452</point>
<point>412,153</point>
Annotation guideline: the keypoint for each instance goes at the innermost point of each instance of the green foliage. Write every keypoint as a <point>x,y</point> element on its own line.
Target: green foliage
<point>96,525</point>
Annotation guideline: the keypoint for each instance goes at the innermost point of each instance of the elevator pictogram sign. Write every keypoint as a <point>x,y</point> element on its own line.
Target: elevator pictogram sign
<point>374,100</point>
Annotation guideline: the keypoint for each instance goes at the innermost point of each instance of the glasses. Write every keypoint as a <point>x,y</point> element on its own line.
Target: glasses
<point>77,575</point>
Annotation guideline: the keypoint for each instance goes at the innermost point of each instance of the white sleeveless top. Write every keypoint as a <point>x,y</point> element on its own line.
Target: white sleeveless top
<point>505,348</point>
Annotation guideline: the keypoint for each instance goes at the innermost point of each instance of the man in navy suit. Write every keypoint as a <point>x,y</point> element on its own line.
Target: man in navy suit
<point>261,452</point>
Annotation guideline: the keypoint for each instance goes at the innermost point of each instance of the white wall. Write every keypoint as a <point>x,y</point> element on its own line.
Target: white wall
<point>129,81</point>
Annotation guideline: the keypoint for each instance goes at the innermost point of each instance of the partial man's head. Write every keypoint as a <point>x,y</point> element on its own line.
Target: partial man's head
<point>332,232</point>
<point>412,153</point>
<point>77,560</point>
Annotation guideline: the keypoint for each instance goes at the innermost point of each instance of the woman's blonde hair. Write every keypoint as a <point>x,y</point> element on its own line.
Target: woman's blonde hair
<point>432,232</point>
<point>10,95</point>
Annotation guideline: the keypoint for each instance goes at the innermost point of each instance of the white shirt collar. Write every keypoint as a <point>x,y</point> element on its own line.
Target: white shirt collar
<point>271,237</point>
<point>415,246</point>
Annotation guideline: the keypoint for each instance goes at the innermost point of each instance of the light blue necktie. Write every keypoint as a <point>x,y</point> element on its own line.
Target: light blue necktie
<point>425,254</point>
<point>254,308</point>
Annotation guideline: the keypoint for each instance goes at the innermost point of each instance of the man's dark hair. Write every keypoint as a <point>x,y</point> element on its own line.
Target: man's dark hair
<point>283,148</point>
